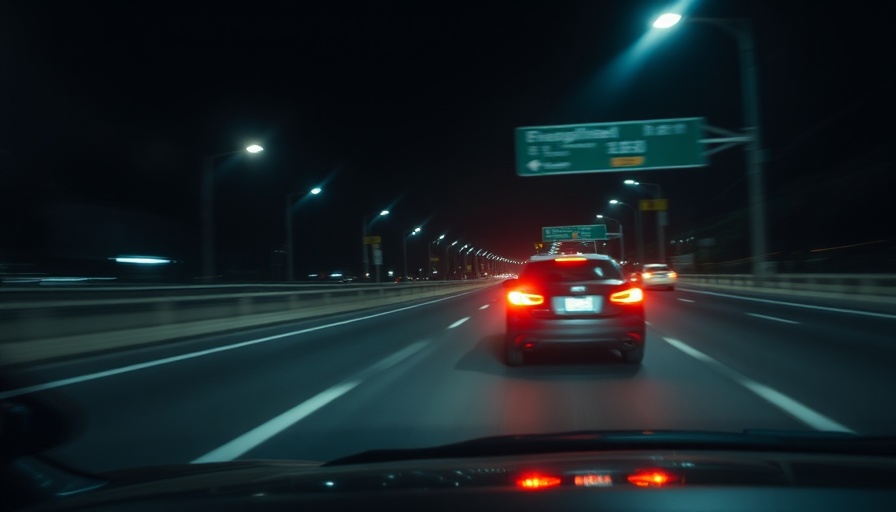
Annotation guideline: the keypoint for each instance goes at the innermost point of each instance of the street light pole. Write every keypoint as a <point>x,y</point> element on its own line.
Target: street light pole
<point>206,208</point>
<point>430,266</point>
<point>621,236</point>
<point>404,240</point>
<point>365,258</point>
<point>754,147</point>
<point>448,258</point>
<point>290,271</point>
<point>742,30</point>
<point>638,230</point>
<point>660,224</point>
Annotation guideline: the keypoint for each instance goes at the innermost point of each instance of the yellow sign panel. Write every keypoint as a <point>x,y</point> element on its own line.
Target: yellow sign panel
<point>371,240</point>
<point>626,161</point>
<point>654,205</point>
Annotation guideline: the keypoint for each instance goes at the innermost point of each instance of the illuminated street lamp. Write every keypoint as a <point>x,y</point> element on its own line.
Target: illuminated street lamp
<point>742,31</point>
<point>667,20</point>
<point>207,213</point>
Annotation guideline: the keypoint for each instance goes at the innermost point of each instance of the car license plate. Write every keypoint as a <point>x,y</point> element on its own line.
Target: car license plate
<point>579,304</point>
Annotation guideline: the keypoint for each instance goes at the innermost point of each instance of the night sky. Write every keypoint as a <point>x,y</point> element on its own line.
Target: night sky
<point>106,110</point>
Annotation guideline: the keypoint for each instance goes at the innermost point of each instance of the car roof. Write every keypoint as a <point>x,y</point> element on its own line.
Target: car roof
<point>549,257</point>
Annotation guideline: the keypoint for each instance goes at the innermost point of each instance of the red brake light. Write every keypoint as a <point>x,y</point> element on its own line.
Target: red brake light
<point>518,298</point>
<point>571,258</point>
<point>630,296</point>
<point>652,478</point>
<point>535,481</point>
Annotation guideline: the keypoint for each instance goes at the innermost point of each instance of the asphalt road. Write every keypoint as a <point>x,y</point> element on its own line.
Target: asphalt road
<point>430,372</point>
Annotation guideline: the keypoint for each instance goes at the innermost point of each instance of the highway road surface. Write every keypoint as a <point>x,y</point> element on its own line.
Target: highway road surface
<point>430,372</point>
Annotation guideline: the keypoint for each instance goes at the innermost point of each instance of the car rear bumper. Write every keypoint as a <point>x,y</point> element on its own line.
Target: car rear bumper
<point>621,332</point>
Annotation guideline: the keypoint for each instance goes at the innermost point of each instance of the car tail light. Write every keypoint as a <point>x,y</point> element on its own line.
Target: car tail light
<point>534,481</point>
<point>652,478</point>
<point>673,274</point>
<point>647,275</point>
<point>518,298</point>
<point>630,296</point>
<point>571,258</point>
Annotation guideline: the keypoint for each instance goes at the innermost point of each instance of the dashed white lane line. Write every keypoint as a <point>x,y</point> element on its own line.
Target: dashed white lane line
<point>776,319</point>
<point>685,300</point>
<point>158,362</point>
<point>483,306</point>
<point>455,324</point>
<point>270,428</point>
<point>776,398</point>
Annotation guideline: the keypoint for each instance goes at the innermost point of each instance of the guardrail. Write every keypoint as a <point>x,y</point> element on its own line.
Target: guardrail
<point>59,325</point>
<point>883,285</point>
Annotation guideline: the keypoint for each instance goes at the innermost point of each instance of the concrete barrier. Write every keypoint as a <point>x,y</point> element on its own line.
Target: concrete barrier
<point>34,330</point>
<point>882,286</point>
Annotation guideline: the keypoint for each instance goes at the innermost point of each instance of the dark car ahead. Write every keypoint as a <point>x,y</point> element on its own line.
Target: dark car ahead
<point>571,301</point>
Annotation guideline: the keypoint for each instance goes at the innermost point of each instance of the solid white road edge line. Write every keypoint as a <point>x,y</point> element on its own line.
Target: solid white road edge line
<point>158,362</point>
<point>270,428</point>
<point>794,304</point>
<point>783,320</point>
<point>776,398</point>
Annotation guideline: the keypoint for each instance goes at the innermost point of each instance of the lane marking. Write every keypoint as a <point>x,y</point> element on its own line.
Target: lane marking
<point>685,300</point>
<point>274,426</point>
<point>794,304</point>
<point>455,324</point>
<point>776,398</point>
<point>648,323</point>
<point>783,320</point>
<point>484,306</point>
<point>183,357</point>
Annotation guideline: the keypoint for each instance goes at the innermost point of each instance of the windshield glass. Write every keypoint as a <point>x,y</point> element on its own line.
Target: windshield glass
<point>569,271</point>
<point>291,230</point>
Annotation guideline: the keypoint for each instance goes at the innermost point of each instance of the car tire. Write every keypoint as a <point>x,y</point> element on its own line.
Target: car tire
<point>513,355</point>
<point>633,356</point>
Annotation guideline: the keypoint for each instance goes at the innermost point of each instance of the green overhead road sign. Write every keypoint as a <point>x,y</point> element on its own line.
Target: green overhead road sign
<point>574,233</point>
<point>609,147</point>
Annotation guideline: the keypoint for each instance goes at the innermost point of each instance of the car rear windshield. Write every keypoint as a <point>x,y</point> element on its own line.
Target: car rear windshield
<point>654,268</point>
<point>566,271</point>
